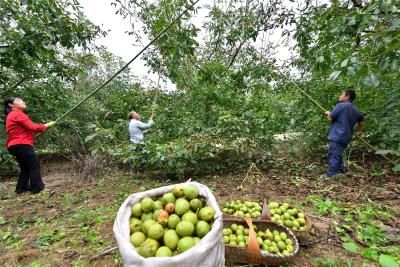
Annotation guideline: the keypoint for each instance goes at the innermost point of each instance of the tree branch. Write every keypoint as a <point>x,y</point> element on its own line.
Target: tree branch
<point>236,53</point>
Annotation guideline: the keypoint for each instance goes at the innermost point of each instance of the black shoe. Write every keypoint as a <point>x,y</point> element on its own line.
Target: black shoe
<point>38,190</point>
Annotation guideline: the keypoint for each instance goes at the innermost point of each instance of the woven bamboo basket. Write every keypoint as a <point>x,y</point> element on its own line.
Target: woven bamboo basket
<point>303,236</point>
<point>235,254</point>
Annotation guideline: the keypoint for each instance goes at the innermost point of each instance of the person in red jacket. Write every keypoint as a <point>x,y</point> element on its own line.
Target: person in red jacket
<point>20,130</point>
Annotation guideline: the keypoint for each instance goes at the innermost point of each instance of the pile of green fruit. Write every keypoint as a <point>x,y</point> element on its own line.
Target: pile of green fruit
<point>246,209</point>
<point>171,224</point>
<point>273,242</point>
<point>290,217</point>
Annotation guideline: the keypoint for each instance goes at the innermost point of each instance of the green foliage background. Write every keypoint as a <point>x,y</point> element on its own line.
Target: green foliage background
<point>230,100</point>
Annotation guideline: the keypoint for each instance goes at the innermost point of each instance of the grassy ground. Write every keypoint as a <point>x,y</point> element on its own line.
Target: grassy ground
<point>71,223</point>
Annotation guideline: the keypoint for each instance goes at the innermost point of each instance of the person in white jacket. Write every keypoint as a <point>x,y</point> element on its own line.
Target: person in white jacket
<point>138,128</point>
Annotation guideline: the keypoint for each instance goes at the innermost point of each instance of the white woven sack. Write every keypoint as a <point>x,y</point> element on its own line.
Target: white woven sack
<point>208,252</point>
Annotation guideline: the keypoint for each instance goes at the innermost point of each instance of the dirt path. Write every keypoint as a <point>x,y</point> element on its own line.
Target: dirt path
<point>71,222</point>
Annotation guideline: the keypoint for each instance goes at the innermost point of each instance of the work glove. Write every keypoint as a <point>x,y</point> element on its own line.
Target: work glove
<point>50,124</point>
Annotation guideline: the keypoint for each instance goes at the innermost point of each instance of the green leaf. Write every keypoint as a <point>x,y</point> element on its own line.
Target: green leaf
<point>371,80</point>
<point>2,220</point>
<point>344,63</point>
<point>397,168</point>
<point>370,253</point>
<point>387,151</point>
<point>320,59</point>
<point>351,70</point>
<point>387,261</point>
<point>334,75</point>
<point>350,246</point>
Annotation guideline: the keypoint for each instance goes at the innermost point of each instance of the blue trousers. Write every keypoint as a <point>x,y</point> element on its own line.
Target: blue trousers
<point>335,158</point>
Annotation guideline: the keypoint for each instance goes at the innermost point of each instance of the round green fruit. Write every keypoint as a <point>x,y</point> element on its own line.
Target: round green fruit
<point>157,205</point>
<point>178,191</point>
<point>156,231</point>
<point>226,239</point>
<point>184,228</point>
<point>136,210</point>
<point>190,217</point>
<point>206,214</point>
<point>147,204</point>
<point>202,228</point>
<point>147,216</point>
<point>195,204</point>
<point>173,220</point>
<point>148,248</point>
<point>190,192</point>
<point>135,225</point>
<point>137,238</point>
<point>185,243</point>
<point>163,252</point>
<point>171,239</point>
<point>181,206</point>
<point>168,198</point>
<point>234,227</point>
<point>146,225</point>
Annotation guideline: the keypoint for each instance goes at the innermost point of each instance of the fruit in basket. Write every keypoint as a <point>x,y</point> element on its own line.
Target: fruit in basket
<point>226,239</point>
<point>196,204</point>
<point>157,205</point>
<point>146,225</point>
<point>234,227</point>
<point>136,210</point>
<point>137,238</point>
<point>171,239</point>
<point>184,228</point>
<point>156,231</point>
<point>190,217</point>
<point>190,192</point>
<point>250,209</point>
<point>135,225</point>
<point>173,220</point>
<point>181,206</point>
<point>148,248</point>
<point>178,191</point>
<point>170,208</point>
<point>163,252</point>
<point>202,228</point>
<point>185,243</point>
<point>146,216</point>
<point>164,226</point>
<point>206,213</point>
<point>147,204</point>
<point>288,216</point>
<point>168,198</point>
<point>274,242</point>
<point>226,231</point>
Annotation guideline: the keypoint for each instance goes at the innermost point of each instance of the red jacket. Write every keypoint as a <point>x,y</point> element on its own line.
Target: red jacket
<point>21,129</point>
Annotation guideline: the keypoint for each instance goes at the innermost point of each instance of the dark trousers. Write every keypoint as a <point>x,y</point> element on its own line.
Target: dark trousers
<point>335,158</point>
<point>30,178</point>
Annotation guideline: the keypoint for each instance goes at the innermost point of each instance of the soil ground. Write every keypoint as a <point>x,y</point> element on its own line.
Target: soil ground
<point>70,223</point>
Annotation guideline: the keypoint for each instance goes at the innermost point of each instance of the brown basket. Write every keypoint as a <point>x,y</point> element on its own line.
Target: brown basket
<point>235,254</point>
<point>303,236</point>
<point>265,214</point>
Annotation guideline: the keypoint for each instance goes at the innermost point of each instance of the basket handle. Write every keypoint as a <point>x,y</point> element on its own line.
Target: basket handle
<point>253,247</point>
<point>266,213</point>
